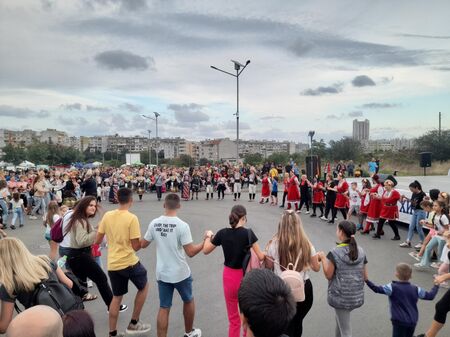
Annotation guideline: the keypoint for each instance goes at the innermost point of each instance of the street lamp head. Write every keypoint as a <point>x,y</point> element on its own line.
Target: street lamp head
<point>214,67</point>
<point>236,63</point>
<point>247,63</point>
<point>156,114</point>
<point>311,133</point>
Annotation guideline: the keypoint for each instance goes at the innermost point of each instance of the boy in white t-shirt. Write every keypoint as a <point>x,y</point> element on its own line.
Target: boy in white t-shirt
<point>173,242</point>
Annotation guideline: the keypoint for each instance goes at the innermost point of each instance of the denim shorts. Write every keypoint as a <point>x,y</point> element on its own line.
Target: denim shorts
<point>184,288</point>
<point>137,274</point>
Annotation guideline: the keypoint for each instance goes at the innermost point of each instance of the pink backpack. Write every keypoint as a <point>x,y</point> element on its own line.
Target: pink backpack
<point>294,280</point>
<point>251,260</point>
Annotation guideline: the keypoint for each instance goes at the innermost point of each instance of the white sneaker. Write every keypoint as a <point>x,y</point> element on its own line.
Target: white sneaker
<point>138,328</point>
<point>414,255</point>
<point>405,244</point>
<point>323,218</point>
<point>32,217</point>
<point>420,267</point>
<point>418,246</point>
<point>307,212</point>
<point>435,265</point>
<point>90,284</point>
<point>194,333</point>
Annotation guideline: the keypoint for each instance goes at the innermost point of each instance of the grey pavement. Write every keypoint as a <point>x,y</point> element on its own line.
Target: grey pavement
<point>371,320</point>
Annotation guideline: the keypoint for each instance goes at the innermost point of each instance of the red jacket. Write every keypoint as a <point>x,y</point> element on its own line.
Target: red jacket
<point>389,208</point>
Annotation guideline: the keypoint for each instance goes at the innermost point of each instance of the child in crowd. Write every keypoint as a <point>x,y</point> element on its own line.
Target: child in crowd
<point>403,297</point>
<point>440,222</point>
<point>354,203</point>
<point>99,193</point>
<point>427,206</point>
<point>345,269</point>
<point>18,210</point>
<point>274,193</point>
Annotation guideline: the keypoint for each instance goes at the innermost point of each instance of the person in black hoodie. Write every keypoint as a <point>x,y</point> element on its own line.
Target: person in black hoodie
<point>89,185</point>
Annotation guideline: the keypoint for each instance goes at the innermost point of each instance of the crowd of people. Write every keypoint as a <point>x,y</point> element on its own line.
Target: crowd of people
<point>69,199</point>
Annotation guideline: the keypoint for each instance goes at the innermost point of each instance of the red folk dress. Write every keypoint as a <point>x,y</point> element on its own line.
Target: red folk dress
<point>365,202</point>
<point>286,185</point>
<point>389,207</point>
<point>318,195</point>
<point>293,191</point>
<point>265,191</point>
<point>373,214</point>
<point>341,198</point>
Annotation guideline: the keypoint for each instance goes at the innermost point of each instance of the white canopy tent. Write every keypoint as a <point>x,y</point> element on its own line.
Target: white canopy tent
<point>26,165</point>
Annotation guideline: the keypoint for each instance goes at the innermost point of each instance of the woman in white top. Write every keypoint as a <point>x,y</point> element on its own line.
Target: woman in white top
<point>53,215</point>
<point>287,245</point>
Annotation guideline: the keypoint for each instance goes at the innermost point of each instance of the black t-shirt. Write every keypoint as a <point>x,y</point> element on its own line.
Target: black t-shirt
<point>416,199</point>
<point>25,298</point>
<point>234,243</point>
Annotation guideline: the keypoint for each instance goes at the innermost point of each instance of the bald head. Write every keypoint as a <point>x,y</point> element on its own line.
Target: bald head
<point>38,321</point>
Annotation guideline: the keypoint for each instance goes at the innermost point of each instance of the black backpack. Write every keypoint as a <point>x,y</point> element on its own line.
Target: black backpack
<point>56,295</point>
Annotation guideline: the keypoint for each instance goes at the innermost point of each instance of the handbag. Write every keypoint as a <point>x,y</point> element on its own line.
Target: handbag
<point>251,260</point>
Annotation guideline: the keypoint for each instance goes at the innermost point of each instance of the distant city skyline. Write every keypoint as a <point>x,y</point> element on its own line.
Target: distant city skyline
<point>92,67</point>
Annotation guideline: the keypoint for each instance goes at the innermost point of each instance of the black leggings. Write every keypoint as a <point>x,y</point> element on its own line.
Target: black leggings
<point>221,190</point>
<point>284,198</point>
<point>442,308</point>
<point>392,223</point>
<point>320,206</point>
<point>83,266</point>
<point>329,205</point>
<point>159,192</point>
<point>304,201</point>
<point>335,210</point>
<point>295,328</point>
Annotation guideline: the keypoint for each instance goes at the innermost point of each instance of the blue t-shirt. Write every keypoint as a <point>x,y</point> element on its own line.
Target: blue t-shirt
<point>274,186</point>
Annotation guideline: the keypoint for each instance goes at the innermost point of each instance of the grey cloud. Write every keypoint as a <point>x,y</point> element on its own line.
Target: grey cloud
<point>96,108</point>
<point>123,60</point>
<point>15,112</point>
<point>351,114</point>
<point>386,80</point>
<point>188,113</point>
<point>442,68</point>
<point>332,89</point>
<point>130,5</point>
<point>363,81</point>
<point>73,106</point>
<point>131,107</point>
<point>439,37</point>
<point>355,114</point>
<point>374,105</point>
<point>195,31</point>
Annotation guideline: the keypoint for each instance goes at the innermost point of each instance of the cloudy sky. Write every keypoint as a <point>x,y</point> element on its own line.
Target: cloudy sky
<point>91,67</point>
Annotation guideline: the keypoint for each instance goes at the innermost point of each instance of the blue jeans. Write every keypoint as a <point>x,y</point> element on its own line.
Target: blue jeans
<point>39,205</point>
<point>435,241</point>
<point>17,213</point>
<point>4,207</point>
<point>418,215</point>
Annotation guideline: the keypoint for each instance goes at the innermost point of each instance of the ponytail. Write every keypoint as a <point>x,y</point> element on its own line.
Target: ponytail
<point>416,184</point>
<point>237,213</point>
<point>349,229</point>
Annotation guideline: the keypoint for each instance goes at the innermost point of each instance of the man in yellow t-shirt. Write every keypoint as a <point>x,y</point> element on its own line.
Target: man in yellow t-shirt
<point>123,232</point>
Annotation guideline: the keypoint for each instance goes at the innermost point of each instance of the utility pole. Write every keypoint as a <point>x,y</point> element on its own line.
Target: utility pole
<point>440,117</point>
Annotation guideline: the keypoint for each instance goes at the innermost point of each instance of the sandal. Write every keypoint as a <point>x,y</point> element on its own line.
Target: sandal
<point>89,297</point>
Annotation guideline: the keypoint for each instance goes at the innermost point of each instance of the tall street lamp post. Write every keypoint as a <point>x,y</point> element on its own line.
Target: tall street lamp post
<point>149,148</point>
<point>157,141</point>
<point>311,135</point>
<point>239,67</point>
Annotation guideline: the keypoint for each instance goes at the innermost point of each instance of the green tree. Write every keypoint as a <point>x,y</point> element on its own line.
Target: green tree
<point>253,158</point>
<point>279,158</point>
<point>345,149</point>
<point>320,149</point>
<point>38,153</point>
<point>203,161</point>
<point>184,160</point>
<point>13,154</point>
<point>438,146</point>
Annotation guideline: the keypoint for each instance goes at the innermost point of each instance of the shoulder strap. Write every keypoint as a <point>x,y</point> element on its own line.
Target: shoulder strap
<point>296,261</point>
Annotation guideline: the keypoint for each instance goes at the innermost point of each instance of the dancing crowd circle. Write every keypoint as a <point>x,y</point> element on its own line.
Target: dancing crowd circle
<point>267,289</point>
